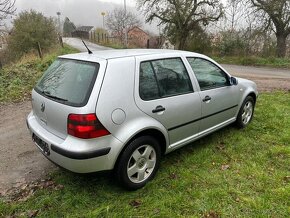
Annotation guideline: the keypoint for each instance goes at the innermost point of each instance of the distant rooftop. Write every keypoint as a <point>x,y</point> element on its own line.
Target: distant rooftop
<point>85,28</point>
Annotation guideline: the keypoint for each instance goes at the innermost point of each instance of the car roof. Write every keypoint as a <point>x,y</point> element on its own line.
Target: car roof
<point>120,53</point>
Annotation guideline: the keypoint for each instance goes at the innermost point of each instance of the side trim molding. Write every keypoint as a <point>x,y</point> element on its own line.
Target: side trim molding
<point>199,135</point>
<point>201,118</point>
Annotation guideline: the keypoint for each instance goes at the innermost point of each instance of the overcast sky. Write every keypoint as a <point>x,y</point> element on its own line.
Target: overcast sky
<point>81,12</point>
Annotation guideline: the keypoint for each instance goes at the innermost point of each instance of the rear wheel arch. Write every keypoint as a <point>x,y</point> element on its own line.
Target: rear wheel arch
<point>156,134</point>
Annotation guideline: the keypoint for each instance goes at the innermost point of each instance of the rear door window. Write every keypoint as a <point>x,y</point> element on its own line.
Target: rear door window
<point>163,78</point>
<point>68,81</point>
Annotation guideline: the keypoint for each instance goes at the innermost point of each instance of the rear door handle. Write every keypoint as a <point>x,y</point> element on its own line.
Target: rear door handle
<point>159,108</point>
<point>206,98</point>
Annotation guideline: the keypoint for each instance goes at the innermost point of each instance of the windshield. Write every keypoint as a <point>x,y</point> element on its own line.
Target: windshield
<point>68,81</point>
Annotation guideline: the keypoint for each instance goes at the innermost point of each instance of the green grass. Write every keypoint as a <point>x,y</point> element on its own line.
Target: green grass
<point>255,61</point>
<point>18,79</point>
<point>191,181</point>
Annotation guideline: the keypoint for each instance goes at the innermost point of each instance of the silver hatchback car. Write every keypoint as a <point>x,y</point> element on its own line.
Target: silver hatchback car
<point>124,109</point>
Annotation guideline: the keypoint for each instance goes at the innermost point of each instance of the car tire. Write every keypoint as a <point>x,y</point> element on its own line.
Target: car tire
<point>246,112</point>
<point>139,162</point>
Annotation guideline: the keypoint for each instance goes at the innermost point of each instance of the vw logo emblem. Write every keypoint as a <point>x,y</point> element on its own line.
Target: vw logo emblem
<point>42,107</point>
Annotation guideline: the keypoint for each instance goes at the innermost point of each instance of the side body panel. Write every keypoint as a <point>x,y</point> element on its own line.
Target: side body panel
<point>222,106</point>
<point>116,107</point>
<point>181,114</point>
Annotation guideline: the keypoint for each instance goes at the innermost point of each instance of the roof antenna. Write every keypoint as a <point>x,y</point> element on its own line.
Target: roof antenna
<point>89,51</point>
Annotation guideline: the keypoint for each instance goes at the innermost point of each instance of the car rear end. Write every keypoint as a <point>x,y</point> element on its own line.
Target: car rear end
<point>63,121</point>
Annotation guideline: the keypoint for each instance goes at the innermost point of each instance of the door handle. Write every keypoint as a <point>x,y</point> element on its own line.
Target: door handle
<point>159,108</point>
<point>206,98</point>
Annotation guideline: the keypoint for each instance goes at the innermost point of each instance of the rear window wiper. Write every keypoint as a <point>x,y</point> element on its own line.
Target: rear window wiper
<point>47,93</point>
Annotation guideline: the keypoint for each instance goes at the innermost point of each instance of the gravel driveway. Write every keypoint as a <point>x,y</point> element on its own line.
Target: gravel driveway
<point>21,162</point>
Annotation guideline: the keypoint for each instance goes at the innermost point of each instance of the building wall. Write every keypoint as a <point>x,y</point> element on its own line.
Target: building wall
<point>138,37</point>
<point>81,34</point>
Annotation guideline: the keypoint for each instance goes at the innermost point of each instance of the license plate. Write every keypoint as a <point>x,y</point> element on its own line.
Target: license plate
<point>41,144</point>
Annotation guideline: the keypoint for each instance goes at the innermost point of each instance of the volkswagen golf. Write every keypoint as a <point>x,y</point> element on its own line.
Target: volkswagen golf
<point>123,110</point>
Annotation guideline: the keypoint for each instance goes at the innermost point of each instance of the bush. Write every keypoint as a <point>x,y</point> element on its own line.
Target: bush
<point>231,43</point>
<point>30,28</point>
<point>199,42</point>
<point>18,79</point>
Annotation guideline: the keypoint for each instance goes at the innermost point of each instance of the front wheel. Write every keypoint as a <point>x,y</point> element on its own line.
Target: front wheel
<point>139,162</point>
<point>246,112</point>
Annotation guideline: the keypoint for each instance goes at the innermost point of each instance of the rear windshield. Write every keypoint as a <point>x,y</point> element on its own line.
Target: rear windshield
<point>68,81</point>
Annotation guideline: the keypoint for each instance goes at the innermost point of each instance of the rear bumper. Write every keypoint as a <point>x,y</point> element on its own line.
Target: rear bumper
<point>80,155</point>
<point>74,154</point>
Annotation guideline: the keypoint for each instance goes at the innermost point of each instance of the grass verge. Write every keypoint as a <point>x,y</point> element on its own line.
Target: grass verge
<point>255,61</point>
<point>18,79</point>
<point>231,173</point>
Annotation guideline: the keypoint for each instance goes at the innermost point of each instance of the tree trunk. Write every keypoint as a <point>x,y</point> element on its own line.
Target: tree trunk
<point>281,45</point>
<point>39,50</point>
<point>182,41</point>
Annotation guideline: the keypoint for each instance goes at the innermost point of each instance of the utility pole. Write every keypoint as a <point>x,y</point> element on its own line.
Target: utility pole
<point>59,25</point>
<point>126,33</point>
<point>103,14</point>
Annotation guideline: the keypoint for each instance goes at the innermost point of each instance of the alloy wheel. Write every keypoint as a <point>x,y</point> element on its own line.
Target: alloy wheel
<point>141,164</point>
<point>247,112</point>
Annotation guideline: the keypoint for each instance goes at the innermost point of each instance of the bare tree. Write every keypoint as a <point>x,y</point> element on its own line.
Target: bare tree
<point>118,21</point>
<point>181,17</point>
<point>235,13</point>
<point>278,14</point>
<point>6,8</point>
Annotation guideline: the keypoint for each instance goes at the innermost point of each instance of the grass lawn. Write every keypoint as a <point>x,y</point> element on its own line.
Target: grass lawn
<point>255,61</point>
<point>231,173</point>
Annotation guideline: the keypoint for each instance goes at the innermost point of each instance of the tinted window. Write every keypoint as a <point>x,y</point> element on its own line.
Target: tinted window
<point>209,76</point>
<point>148,83</point>
<point>163,78</point>
<point>68,81</point>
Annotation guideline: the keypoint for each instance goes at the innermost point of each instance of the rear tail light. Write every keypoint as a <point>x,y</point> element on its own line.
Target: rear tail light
<point>85,126</point>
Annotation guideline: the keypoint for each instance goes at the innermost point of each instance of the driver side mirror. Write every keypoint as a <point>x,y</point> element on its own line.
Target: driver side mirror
<point>233,81</point>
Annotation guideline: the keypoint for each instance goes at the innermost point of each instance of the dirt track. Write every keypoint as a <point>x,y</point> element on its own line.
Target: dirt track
<point>267,79</point>
<point>21,161</point>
